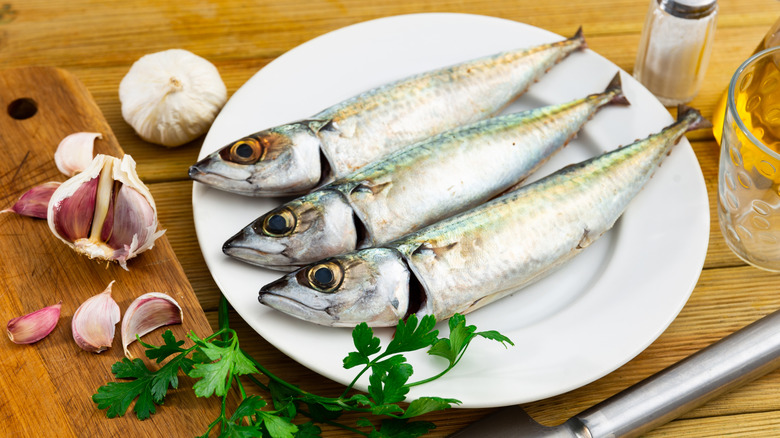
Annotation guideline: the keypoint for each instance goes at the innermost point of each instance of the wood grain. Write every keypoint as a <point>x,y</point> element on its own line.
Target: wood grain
<point>54,376</point>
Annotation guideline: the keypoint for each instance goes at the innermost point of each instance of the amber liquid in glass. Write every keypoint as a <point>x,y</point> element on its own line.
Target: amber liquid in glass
<point>757,101</point>
<point>771,39</point>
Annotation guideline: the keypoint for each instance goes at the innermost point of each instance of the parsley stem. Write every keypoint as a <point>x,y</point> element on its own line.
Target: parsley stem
<point>272,376</point>
<point>430,379</point>
<point>222,315</point>
<point>335,423</point>
<point>257,382</point>
<point>240,387</point>
<point>363,371</point>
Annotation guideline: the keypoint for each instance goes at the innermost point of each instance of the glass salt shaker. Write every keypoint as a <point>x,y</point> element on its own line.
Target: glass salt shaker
<point>674,49</point>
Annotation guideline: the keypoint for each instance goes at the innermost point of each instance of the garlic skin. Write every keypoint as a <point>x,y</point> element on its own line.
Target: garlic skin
<point>35,202</point>
<point>105,212</point>
<point>171,97</point>
<point>74,153</point>
<point>34,326</point>
<point>94,322</point>
<point>146,313</point>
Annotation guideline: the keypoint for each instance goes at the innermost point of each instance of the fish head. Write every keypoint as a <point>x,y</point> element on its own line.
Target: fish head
<point>370,285</point>
<point>310,228</point>
<point>280,161</point>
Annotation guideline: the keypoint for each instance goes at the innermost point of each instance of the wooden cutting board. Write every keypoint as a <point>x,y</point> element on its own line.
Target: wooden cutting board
<point>48,386</point>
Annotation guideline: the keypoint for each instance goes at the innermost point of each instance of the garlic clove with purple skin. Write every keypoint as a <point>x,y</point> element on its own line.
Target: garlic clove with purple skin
<point>146,313</point>
<point>74,153</point>
<point>105,212</point>
<point>34,326</point>
<point>94,322</point>
<point>35,202</point>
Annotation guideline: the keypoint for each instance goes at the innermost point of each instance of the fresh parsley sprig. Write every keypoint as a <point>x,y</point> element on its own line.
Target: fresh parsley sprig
<point>216,362</point>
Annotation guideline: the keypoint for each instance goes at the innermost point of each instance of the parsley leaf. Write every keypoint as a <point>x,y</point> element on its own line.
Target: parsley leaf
<point>401,428</point>
<point>387,385</point>
<point>410,336</point>
<point>423,405</point>
<point>366,344</point>
<point>226,362</point>
<point>249,407</point>
<point>249,420</point>
<point>308,430</point>
<point>460,337</point>
<point>147,387</point>
<point>171,346</point>
<point>277,427</point>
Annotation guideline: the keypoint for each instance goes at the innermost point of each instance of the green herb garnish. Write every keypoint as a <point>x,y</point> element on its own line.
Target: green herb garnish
<point>217,361</point>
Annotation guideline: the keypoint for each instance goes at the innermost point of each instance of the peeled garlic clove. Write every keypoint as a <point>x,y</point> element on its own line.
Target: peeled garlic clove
<point>146,313</point>
<point>34,326</point>
<point>35,202</point>
<point>74,152</point>
<point>94,322</point>
<point>105,212</point>
<point>171,97</point>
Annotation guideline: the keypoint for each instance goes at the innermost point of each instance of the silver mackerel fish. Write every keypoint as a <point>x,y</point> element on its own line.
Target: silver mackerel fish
<point>416,186</point>
<point>294,158</point>
<point>472,259</point>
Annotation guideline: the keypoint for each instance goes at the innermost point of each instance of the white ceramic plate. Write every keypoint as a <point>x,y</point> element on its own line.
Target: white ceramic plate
<point>584,321</point>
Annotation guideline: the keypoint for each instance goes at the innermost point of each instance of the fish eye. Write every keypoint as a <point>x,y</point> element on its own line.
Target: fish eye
<point>279,223</point>
<point>325,277</point>
<point>244,151</point>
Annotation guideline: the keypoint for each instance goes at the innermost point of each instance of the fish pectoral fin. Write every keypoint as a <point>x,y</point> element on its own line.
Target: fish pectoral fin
<point>585,240</point>
<point>370,187</point>
<point>317,125</point>
<point>426,249</point>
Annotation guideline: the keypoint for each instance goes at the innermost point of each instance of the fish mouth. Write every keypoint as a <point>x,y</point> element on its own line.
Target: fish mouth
<point>195,173</point>
<point>204,176</point>
<point>220,181</point>
<point>256,257</point>
<point>315,310</point>
<point>293,307</point>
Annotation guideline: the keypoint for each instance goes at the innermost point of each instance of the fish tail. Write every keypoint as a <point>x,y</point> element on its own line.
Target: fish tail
<point>615,87</point>
<point>579,38</point>
<point>697,121</point>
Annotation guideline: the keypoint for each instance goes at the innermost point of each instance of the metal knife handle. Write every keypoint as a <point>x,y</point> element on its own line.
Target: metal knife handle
<point>734,360</point>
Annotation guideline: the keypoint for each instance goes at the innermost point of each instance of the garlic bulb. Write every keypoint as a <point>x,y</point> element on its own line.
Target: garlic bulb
<point>105,212</point>
<point>171,97</point>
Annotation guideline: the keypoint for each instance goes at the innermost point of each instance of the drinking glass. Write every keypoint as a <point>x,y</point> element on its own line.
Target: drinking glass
<point>749,172</point>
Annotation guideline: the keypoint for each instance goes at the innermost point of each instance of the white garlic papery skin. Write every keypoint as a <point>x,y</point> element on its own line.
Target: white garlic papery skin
<point>148,312</point>
<point>94,322</point>
<point>171,97</point>
<point>74,153</point>
<point>105,212</point>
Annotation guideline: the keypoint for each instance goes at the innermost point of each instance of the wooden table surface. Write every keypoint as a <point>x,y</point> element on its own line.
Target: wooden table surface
<point>99,40</point>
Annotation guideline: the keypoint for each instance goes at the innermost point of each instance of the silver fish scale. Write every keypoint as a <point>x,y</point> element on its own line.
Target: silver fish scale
<point>380,121</point>
<point>461,169</point>
<point>489,252</point>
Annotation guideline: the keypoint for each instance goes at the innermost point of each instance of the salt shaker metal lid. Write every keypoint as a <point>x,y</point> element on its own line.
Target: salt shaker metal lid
<point>692,9</point>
